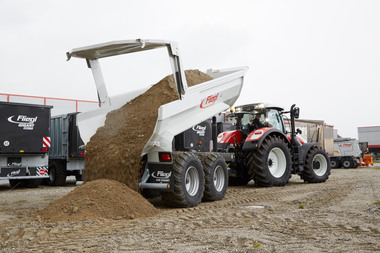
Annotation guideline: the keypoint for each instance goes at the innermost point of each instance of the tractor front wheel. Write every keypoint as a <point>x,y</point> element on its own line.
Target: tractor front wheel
<point>270,164</point>
<point>317,166</point>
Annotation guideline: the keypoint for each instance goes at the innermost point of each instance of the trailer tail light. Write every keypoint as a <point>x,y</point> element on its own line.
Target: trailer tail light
<point>165,157</point>
<point>81,154</point>
<point>44,149</point>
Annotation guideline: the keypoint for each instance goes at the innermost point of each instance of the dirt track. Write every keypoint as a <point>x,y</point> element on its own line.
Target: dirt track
<point>336,216</point>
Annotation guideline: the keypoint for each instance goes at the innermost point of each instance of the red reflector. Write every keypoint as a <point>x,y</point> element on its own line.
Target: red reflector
<point>166,157</point>
<point>81,154</point>
<point>44,149</point>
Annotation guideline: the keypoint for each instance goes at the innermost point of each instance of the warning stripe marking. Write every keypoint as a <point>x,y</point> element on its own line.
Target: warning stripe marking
<point>46,142</point>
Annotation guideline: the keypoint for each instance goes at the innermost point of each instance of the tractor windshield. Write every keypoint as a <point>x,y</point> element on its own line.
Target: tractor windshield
<point>249,121</point>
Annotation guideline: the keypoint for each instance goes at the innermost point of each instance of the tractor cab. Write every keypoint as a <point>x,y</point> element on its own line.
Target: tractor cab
<point>255,116</point>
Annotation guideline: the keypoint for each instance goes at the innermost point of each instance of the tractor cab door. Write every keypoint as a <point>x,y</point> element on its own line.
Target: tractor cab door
<point>275,120</point>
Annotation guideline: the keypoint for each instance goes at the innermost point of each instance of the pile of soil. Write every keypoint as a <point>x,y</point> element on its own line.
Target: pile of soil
<point>102,198</point>
<point>114,151</point>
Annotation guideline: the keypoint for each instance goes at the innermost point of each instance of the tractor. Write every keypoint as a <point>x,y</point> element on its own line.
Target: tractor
<point>266,152</point>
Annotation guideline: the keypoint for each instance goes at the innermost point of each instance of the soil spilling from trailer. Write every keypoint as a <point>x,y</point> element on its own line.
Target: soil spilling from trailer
<point>102,198</point>
<point>114,151</point>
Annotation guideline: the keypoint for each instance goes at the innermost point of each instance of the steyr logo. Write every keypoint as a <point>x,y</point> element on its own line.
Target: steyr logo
<point>25,122</point>
<point>209,101</point>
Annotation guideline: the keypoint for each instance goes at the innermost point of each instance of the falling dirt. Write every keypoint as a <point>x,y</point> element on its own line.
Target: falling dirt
<point>98,199</point>
<point>114,151</point>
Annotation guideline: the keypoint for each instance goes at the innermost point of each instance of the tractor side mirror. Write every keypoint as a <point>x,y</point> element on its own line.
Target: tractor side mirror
<point>296,112</point>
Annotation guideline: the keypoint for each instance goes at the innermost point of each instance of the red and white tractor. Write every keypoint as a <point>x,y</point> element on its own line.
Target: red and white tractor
<point>266,153</point>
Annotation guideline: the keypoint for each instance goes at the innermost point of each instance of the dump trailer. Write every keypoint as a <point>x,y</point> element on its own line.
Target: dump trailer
<point>347,153</point>
<point>182,177</point>
<point>24,143</point>
<point>66,155</point>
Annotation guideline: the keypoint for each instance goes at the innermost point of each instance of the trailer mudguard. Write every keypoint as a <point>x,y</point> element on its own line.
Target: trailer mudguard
<point>256,138</point>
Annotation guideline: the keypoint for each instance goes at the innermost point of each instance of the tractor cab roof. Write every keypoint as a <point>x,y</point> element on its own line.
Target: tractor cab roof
<point>256,108</point>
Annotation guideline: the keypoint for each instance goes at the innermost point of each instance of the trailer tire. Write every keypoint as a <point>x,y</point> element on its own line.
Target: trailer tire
<point>216,176</point>
<point>317,166</point>
<point>269,165</point>
<point>334,163</point>
<point>17,183</point>
<point>348,163</point>
<point>32,183</point>
<point>189,182</point>
<point>57,173</point>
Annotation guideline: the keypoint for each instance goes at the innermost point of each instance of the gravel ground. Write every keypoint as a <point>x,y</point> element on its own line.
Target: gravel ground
<point>339,215</point>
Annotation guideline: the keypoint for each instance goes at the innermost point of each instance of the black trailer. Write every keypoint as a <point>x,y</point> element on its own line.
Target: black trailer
<point>24,143</point>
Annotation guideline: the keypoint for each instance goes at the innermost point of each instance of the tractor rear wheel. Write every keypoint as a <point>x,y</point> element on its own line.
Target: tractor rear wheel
<point>216,176</point>
<point>317,166</point>
<point>189,182</point>
<point>270,164</point>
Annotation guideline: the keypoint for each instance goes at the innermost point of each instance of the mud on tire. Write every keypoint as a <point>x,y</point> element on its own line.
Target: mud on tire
<point>317,166</point>
<point>270,164</point>
<point>189,182</point>
<point>216,176</point>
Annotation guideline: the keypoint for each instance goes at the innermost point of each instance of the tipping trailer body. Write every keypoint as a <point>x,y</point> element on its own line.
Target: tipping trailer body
<point>347,153</point>
<point>66,155</point>
<point>24,141</point>
<point>194,104</point>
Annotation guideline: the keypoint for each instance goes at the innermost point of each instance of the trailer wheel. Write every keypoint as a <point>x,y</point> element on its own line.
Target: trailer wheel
<point>334,163</point>
<point>57,173</point>
<point>355,164</point>
<point>317,166</point>
<point>347,163</point>
<point>189,182</point>
<point>216,176</point>
<point>270,164</point>
<point>16,183</point>
<point>32,183</point>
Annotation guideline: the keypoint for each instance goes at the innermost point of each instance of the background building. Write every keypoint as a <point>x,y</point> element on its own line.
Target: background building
<point>370,134</point>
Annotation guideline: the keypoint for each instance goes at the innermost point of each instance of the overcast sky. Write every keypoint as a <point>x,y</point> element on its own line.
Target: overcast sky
<point>322,55</point>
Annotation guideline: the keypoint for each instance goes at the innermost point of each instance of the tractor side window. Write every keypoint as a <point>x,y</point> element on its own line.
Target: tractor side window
<point>274,120</point>
<point>245,121</point>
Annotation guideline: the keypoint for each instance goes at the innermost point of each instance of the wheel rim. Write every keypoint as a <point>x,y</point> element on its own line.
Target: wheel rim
<point>277,162</point>
<point>319,165</point>
<point>219,178</point>
<point>346,164</point>
<point>192,180</point>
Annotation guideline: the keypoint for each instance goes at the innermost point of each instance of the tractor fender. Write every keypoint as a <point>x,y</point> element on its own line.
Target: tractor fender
<point>256,138</point>
<point>306,147</point>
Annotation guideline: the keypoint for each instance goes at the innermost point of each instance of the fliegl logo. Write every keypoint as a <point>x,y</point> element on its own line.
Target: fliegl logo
<point>25,122</point>
<point>209,101</point>
<point>161,174</point>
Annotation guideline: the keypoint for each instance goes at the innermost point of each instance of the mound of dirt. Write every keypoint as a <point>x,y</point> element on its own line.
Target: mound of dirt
<point>102,198</point>
<point>114,151</point>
